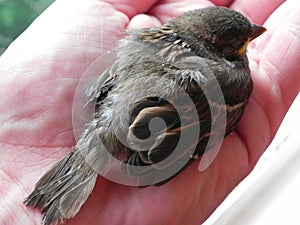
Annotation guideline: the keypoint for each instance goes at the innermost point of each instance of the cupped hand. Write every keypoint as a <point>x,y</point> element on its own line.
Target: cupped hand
<point>42,68</point>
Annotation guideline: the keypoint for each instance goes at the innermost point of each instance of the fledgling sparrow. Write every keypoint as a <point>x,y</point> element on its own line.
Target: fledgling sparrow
<point>161,102</point>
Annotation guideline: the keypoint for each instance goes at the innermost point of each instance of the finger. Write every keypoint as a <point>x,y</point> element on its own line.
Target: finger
<point>143,21</point>
<point>280,49</point>
<point>168,9</point>
<point>282,53</point>
<point>257,10</point>
<point>222,2</point>
<point>276,18</point>
<point>131,7</point>
<point>276,81</point>
<point>163,11</point>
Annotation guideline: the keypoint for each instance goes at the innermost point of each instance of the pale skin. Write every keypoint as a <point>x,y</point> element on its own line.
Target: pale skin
<point>38,77</point>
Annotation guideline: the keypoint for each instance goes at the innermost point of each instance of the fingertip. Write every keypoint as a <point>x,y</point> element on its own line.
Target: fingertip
<point>223,2</point>
<point>257,15</point>
<point>143,21</point>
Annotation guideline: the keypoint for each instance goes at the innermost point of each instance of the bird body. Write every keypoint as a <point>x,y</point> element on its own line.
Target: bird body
<point>172,93</point>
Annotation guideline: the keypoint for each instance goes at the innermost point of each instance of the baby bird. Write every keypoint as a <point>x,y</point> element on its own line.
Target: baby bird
<point>173,92</point>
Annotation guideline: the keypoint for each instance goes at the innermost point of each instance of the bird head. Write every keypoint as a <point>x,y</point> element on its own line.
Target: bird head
<point>220,28</point>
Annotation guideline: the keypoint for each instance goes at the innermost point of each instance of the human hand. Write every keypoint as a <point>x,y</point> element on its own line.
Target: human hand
<point>41,70</point>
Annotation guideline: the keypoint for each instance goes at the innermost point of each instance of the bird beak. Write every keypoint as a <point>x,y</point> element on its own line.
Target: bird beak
<point>256,30</point>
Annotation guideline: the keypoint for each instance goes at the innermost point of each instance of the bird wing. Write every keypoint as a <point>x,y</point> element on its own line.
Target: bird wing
<point>158,147</point>
<point>99,89</point>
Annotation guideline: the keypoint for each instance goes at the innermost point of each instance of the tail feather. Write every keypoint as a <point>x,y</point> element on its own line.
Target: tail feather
<point>71,206</point>
<point>61,192</point>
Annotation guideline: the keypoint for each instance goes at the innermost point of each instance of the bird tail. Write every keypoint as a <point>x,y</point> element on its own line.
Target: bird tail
<point>65,187</point>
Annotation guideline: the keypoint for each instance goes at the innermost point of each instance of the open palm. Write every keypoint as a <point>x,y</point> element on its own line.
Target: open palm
<point>39,75</point>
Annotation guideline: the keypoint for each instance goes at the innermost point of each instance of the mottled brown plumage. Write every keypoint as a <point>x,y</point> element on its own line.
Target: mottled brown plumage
<point>192,73</point>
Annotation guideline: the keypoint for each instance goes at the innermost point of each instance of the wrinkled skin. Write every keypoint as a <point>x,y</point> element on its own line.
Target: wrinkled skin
<point>40,71</point>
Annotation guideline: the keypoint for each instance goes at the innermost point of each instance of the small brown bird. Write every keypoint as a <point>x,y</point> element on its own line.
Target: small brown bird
<point>172,93</point>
